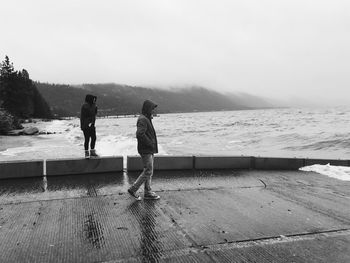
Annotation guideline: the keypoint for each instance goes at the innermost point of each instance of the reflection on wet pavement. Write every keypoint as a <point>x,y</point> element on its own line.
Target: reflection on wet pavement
<point>93,231</point>
<point>145,214</point>
<point>58,187</point>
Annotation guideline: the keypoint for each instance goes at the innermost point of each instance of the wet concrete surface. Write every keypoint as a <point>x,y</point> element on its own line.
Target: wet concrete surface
<point>202,216</point>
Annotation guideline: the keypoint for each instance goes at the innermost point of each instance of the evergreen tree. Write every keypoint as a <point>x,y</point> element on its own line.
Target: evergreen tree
<point>6,68</point>
<point>25,74</point>
<point>6,75</point>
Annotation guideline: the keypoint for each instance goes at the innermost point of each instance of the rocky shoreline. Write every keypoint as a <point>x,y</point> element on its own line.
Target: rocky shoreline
<point>11,125</point>
<point>27,131</point>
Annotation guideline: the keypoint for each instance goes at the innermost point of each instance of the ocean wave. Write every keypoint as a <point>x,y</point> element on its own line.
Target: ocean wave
<point>338,172</point>
<point>322,145</point>
<point>113,145</point>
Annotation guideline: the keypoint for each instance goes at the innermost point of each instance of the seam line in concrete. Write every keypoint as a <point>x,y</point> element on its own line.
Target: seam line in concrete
<point>208,189</point>
<point>173,220</point>
<point>263,183</point>
<point>282,238</point>
<point>293,235</point>
<point>312,208</point>
<point>125,193</point>
<point>238,244</point>
<point>94,196</point>
<point>56,199</point>
<point>195,246</point>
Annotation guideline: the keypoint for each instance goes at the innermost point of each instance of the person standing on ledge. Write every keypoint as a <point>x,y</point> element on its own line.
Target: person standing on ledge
<point>87,125</point>
<point>147,146</point>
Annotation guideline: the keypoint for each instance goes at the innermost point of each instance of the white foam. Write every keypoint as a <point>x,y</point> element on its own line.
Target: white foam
<point>116,145</point>
<point>338,172</point>
<point>74,134</point>
<point>112,145</point>
<point>119,145</point>
<point>70,129</point>
<point>58,126</point>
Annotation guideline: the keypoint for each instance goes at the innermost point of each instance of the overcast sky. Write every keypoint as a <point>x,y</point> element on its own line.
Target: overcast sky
<point>274,48</point>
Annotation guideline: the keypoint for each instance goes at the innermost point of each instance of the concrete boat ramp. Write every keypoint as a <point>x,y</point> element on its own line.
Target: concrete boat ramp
<point>202,216</point>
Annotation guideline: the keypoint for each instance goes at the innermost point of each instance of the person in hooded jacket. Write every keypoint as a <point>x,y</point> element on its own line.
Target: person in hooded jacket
<point>147,146</point>
<point>87,124</point>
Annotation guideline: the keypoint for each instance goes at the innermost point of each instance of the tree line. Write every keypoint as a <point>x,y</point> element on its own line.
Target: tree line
<point>19,95</point>
<point>19,98</point>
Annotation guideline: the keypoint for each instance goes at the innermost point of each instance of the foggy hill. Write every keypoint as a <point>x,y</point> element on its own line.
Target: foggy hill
<point>251,101</point>
<point>114,99</point>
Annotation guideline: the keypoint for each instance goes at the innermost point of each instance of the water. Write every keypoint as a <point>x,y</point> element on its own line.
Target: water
<point>302,133</point>
<point>278,132</point>
<point>312,133</point>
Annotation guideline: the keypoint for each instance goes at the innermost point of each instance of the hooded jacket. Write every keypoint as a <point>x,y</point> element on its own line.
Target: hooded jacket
<point>145,134</point>
<point>88,112</point>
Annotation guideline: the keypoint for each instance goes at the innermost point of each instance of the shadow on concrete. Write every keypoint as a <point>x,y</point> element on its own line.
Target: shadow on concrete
<point>20,186</point>
<point>91,183</point>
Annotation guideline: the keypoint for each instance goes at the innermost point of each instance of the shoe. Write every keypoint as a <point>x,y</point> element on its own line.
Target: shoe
<point>87,155</point>
<point>93,154</point>
<point>133,194</point>
<point>151,196</point>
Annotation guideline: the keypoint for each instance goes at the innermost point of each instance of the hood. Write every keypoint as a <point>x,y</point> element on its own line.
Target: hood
<point>90,99</point>
<point>147,108</point>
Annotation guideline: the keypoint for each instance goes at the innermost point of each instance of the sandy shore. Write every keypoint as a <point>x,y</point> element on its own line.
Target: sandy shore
<point>44,146</point>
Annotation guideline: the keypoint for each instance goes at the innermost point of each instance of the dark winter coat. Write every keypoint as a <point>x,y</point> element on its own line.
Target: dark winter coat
<point>88,112</point>
<point>145,134</point>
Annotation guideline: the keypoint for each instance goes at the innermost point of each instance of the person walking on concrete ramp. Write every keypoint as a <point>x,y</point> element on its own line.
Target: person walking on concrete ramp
<point>147,146</point>
<point>87,125</point>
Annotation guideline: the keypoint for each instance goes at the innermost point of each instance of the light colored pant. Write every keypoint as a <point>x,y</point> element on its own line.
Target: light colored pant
<point>146,175</point>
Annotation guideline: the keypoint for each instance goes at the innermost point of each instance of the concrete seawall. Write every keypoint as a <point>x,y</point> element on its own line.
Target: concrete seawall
<point>222,162</point>
<point>134,163</point>
<point>261,163</point>
<point>35,168</point>
<point>20,169</point>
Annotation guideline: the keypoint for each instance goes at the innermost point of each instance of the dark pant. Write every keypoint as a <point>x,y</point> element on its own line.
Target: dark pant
<point>89,132</point>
